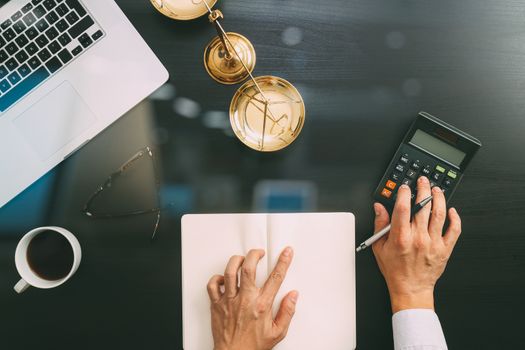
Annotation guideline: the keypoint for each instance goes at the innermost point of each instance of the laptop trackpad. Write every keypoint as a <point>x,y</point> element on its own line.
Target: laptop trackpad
<point>54,121</point>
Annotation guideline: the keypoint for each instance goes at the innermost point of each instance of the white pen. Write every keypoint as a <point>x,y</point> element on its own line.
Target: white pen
<point>377,236</point>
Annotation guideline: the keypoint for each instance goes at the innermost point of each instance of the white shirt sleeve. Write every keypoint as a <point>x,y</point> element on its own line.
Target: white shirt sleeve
<point>418,329</point>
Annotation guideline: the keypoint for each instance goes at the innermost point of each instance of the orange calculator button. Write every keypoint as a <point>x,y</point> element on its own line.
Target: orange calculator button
<point>391,184</point>
<point>386,193</point>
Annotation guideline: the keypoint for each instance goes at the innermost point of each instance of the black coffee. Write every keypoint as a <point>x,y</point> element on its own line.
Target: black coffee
<point>50,255</point>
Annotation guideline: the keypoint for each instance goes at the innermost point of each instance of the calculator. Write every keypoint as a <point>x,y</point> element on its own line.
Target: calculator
<point>431,148</point>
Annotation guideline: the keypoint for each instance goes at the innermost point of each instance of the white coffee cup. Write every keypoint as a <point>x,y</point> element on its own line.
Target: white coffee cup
<point>29,277</point>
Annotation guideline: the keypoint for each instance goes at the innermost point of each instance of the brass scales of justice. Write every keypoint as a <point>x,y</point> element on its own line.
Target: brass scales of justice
<point>267,112</point>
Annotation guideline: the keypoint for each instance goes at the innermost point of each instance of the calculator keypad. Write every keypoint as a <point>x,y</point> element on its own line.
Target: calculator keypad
<point>408,169</point>
<point>436,177</point>
<point>411,174</point>
<point>440,169</point>
<point>391,185</point>
<point>386,193</point>
<point>406,181</point>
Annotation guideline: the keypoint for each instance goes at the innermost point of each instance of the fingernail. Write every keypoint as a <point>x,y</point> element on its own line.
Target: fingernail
<point>377,209</point>
<point>436,189</point>
<point>287,252</point>
<point>423,179</point>
<point>294,296</point>
<point>405,187</point>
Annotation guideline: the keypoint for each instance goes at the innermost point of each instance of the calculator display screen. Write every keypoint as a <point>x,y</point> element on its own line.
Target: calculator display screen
<point>3,2</point>
<point>437,147</point>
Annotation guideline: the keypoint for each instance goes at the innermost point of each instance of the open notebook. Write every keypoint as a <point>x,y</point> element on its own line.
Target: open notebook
<point>323,271</point>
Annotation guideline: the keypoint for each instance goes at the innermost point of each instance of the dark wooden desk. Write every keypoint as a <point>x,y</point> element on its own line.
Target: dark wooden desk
<point>365,68</point>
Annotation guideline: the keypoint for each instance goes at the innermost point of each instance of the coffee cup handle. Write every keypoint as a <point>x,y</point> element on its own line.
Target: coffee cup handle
<point>21,286</point>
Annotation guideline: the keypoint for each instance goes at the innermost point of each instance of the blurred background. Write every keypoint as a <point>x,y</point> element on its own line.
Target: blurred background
<point>365,68</point>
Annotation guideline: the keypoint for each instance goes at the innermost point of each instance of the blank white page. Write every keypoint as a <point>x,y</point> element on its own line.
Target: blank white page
<point>323,271</point>
<point>208,241</point>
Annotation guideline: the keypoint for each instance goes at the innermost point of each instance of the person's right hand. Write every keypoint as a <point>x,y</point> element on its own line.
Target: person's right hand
<point>414,254</point>
<point>241,312</point>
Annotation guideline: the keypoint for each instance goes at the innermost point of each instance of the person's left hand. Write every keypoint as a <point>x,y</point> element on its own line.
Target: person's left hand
<point>241,316</point>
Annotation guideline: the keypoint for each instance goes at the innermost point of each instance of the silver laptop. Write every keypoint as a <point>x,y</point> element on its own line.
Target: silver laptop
<point>68,69</point>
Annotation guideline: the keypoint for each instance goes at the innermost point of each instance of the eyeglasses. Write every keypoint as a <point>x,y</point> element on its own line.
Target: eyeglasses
<point>88,207</point>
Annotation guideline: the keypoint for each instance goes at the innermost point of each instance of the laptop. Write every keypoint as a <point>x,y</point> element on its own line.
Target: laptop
<point>68,69</point>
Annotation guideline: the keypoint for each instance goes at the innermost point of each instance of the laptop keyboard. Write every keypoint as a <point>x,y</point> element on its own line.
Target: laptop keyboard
<point>38,40</point>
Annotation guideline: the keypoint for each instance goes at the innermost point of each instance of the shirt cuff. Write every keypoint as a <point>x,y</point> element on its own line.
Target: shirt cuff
<point>418,329</point>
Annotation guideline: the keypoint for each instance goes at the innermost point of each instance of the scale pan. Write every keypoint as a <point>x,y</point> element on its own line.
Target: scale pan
<point>183,9</point>
<point>229,71</point>
<point>269,121</point>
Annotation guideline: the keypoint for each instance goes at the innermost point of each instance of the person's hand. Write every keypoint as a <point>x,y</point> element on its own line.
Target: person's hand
<point>241,313</point>
<point>414,254</point>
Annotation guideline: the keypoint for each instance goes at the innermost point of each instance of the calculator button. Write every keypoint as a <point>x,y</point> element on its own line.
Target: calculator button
<point>426,170</point>
<point>386,193</point>
<point>404,159</point>
<point>440,169</point>
<point>407,182</point>
<point>400,168</point>
<point>391,185</point>
<point>396,177</point>
<point>411,174</point>
<point>447,182</point>
<point>416,165</point>
<point>452,174</point>
<point>432,184</point>
<point>436,177</point>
